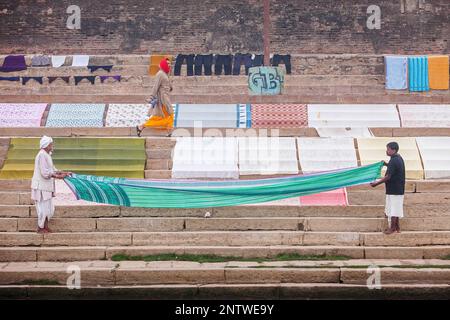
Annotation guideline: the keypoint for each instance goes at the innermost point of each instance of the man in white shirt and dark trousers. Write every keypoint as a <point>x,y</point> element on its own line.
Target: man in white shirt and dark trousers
<point>43,183</point>
<point>395,187</point>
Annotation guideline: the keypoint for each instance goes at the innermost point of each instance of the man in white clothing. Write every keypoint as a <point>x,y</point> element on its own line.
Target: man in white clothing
<point>43,183</point>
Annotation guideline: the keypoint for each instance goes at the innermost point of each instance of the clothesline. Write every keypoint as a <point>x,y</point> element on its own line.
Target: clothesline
<point>66,79</point>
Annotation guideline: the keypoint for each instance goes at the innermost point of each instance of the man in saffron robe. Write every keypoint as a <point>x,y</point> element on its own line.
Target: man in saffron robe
<point>161,114</point>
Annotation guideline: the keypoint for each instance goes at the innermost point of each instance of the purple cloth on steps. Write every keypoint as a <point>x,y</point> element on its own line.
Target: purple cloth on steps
<point>13,63</point>
<point>103,78</point>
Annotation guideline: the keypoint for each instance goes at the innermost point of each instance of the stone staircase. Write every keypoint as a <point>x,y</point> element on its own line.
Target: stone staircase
<point>334,247</point>
<point>327,250</point>
<point>315,79</point>
<point>159,158</point>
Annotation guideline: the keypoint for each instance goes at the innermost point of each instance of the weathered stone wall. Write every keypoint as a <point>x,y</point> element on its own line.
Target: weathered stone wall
<point>298,26</point>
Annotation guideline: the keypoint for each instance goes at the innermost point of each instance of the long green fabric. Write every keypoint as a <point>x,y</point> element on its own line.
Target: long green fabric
<point>118,157</point>
<point>199,194</point>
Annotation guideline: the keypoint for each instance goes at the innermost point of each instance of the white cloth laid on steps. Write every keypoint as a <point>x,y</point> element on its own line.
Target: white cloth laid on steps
<point>353,116</point>
<point>205,157</point>
<point>344,132</point>
<point>324,154</point>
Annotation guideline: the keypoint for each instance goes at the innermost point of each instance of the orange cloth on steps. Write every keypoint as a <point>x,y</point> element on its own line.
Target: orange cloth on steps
<point>438,70</point>
<point>157,122</point>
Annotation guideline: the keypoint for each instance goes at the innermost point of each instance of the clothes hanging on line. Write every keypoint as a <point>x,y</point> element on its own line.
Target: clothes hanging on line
<point>26,79</point>
<point>66,79</point>
<point>94,68</point>
<point>79,78</point>
<point>103,78</point>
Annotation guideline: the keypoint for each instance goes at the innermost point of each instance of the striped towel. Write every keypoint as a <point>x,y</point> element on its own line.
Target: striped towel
<point>438,70</point>
<point>213,115</point>
<point>418,74</point>
<point>396,68</point>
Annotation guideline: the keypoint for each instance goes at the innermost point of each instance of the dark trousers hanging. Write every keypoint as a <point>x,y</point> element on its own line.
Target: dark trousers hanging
<point>240,59</point>
<point>205,60</point>
<point>179,61</point>
<point>223,61</point>
<point>286,59</point>
<point>258,60</point>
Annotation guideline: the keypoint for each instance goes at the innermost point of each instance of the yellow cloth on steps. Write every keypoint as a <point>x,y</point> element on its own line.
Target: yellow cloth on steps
<point>438,69</point>
<point>157,122</point>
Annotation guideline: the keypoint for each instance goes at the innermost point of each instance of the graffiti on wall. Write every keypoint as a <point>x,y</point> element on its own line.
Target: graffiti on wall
<point>265,80</point>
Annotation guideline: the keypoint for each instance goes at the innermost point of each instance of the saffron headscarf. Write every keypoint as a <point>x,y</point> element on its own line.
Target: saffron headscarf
<point>164,65</point>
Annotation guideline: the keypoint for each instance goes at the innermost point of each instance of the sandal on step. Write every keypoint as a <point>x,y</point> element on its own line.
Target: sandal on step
<point>139,131</point>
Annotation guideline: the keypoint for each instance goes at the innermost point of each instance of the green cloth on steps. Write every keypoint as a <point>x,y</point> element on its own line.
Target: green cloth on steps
<point>198,194</point>
<point>118,157</point>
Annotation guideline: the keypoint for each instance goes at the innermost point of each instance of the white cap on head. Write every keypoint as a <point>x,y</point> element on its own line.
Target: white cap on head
<point>45,141</point>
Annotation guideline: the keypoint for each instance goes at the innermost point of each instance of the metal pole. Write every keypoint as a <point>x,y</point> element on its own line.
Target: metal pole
<point>266,32</point>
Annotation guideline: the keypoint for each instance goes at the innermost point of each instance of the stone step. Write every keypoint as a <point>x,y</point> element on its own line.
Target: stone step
<point>159,153</point>
<point>159,164</point>
<point>4,142</point>
<point>372,211</point>
<point>86,253</point>
<point>316,95</point>
<point>158,174</point>
<point>160,143</point>
<point>15,198</point>
<point>224,224</point>
<point>206,94</point>
<point>433,186</point>
<point>139,75</point>
<point>188,132</point>
<point>229,238</point>
<point>248,291</point>
<point>117,93</point>
<point>140,89</point>
<point>268,211</point>
<point>378,198</point>
<point>150,273</point>
<point>68,132</point>
<point>15,185</point>
<point>224,212</point>
<point>354,252</point>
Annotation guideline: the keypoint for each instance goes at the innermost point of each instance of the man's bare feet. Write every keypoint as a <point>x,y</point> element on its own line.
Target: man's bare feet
<point>41,230</point>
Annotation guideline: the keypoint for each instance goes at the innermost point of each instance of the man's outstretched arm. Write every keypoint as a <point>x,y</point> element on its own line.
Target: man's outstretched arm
<point>383,180</point>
